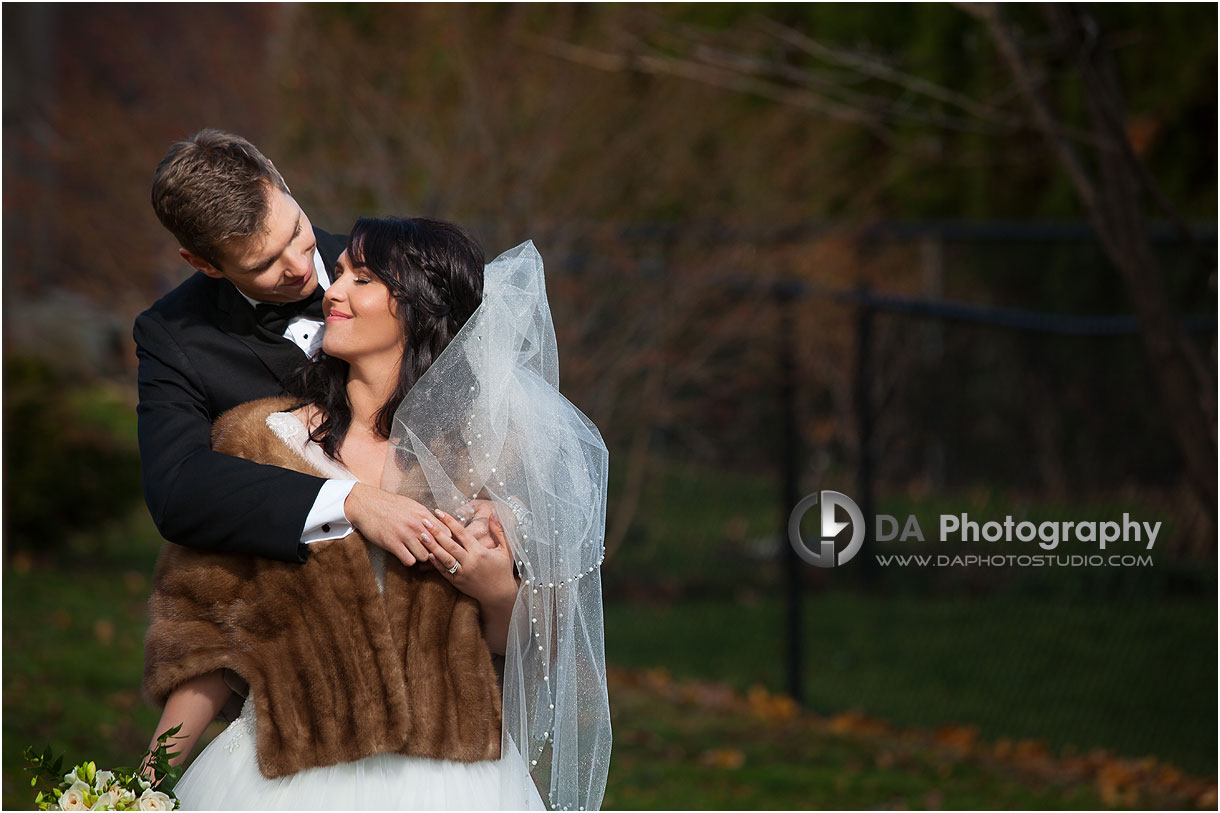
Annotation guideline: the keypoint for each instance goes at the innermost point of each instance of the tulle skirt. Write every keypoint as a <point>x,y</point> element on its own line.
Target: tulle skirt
<point>225,776</point>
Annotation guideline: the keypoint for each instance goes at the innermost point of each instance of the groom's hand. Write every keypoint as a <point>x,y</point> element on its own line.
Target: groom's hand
<point>393,522</point>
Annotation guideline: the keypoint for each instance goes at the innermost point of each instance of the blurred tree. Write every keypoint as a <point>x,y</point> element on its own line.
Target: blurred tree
<point>1114,198</point>
<point>70,456</point>
<point>94,95</point>
<point>919,94</point>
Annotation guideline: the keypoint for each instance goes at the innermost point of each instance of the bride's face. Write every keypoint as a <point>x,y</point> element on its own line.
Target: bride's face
<point>361,316</point>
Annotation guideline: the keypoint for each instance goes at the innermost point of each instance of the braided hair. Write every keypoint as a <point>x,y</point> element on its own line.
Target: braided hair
<point>434,271</point>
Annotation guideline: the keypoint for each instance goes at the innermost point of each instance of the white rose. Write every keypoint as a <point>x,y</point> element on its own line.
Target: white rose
<point>155,800</point>
<point>104,802</point>
<point>74,797</point>
<point>102,779</point>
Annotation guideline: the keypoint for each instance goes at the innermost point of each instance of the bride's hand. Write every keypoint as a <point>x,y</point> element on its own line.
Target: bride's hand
<point>483,573</point>
<point>479,524</point>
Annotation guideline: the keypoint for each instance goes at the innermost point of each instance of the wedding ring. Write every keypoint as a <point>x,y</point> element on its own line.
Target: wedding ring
<point>456,565</point>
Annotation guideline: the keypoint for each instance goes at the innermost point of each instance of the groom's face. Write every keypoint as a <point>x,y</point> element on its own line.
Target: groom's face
<point>275,265</point>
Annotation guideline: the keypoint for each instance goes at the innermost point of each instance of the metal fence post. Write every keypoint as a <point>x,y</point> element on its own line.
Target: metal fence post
<point>864,429</point>
<point>789,455</point>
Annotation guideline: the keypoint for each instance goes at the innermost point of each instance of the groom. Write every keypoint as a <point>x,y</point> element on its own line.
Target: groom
<point>234,332</point>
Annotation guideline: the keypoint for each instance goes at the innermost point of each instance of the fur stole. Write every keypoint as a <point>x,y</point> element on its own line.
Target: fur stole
<point>338,670</point>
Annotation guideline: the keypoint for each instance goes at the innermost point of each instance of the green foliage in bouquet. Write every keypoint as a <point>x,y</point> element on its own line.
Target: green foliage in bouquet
<point>87,788</point>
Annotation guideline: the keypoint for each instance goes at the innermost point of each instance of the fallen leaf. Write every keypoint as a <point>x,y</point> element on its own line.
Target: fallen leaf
<point>959,737</point>
<point>724,758</point>
<point>103,630</point>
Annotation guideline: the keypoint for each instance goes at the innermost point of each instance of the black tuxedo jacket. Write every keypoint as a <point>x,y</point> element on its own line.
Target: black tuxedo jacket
<point>202,353</point>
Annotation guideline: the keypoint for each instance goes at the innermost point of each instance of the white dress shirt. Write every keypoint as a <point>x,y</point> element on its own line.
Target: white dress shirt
<point>326,519</point>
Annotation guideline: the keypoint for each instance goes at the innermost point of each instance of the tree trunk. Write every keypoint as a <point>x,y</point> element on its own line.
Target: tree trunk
<point>1182,376</point>
<point>1113,203</point>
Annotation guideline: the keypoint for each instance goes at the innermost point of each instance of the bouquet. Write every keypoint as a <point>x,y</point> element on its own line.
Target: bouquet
<point>87,788</point>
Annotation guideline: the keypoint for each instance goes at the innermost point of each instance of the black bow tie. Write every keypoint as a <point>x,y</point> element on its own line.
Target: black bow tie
<point>275,318</point>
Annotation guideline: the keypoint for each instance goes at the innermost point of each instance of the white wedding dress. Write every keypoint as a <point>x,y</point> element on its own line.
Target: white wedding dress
<point>225,775</point>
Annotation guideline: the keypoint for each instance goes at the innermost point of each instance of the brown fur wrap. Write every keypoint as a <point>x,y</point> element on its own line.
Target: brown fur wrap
<point>338,670</point>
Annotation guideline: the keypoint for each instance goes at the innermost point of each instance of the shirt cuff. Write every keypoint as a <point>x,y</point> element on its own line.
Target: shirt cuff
<point>326,519</point>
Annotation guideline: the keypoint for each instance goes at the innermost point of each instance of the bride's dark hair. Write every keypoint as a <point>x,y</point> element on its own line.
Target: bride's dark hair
<point>434,271</point>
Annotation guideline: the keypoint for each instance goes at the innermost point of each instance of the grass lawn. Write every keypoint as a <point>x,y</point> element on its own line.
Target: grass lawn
<point>1136,679</point>
<point>694,745</point>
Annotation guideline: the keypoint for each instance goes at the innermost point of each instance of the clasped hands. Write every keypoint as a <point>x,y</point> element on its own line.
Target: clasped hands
<point>415,534</point>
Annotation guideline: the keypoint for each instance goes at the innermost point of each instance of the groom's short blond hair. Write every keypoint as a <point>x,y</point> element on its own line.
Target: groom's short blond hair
<point>211,189</point>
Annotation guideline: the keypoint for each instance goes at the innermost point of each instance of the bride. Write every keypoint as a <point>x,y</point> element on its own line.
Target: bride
<point>475,678</point>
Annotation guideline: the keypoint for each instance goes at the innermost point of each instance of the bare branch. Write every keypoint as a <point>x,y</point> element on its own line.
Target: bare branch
<point>882,108</point>
<point>989,15</point>
<point>731,69</point>
<point>1059,19</point>
<point>879,70</point>
<point>730,80</point>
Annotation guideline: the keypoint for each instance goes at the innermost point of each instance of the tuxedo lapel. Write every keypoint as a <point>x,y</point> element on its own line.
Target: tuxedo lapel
<point>280,355</point>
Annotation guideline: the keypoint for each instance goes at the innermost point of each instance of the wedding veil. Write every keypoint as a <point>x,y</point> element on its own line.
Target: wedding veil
<point>487,420</point>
